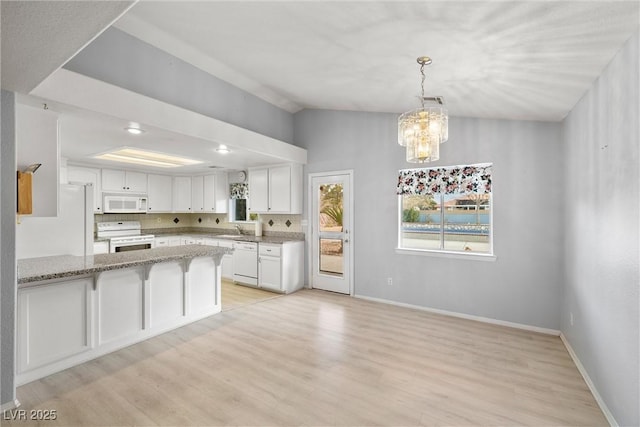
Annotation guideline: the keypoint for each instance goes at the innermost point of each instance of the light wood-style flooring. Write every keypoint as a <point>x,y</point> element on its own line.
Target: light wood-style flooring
<point>317,358</point>
<point>234,296</point>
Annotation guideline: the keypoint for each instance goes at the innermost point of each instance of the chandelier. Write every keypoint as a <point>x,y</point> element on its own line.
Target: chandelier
<point>424,129</point>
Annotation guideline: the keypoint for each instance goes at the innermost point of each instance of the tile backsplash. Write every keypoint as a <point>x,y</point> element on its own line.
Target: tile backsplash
<point>270,223</point>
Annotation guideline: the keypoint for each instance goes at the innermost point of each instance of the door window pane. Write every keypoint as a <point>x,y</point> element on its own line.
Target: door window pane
<point>331,208</point>
<point>331,256</point>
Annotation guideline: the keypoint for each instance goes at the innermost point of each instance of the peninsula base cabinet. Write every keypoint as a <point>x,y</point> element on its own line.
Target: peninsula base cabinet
<point>54,323</point>
<point>281,266</point>
<point>65,322</point>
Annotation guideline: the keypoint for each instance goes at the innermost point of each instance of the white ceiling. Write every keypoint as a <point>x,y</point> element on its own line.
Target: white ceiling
<point>516,60</point>
<point>38,37</point>
<point>513,60</point>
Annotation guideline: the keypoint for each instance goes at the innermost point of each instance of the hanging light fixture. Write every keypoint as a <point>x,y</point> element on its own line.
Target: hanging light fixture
<point>422,130</point>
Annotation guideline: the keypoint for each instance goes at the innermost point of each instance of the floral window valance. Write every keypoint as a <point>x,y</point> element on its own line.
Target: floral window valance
<point>239,190</point>
<point>448,180</point>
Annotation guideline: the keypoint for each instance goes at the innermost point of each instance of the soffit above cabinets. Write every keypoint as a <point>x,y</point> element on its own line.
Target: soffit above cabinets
<point>93,117</point>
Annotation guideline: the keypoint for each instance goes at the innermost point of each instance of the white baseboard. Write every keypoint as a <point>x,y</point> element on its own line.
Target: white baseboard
<point>603,406</point>
<point>10,405</point>
<point>465,316</point>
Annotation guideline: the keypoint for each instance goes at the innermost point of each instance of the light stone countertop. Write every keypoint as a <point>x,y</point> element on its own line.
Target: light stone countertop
<point>274,239</point>
<point>57,267</point>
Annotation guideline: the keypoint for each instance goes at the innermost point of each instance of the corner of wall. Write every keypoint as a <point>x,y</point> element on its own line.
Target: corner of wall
<point>8,284</point>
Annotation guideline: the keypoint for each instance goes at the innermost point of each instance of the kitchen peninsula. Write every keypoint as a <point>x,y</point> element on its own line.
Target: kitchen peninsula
<point>72,309</point>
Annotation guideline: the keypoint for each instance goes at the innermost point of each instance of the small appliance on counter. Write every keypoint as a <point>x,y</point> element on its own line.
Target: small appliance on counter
<point>124,236</point>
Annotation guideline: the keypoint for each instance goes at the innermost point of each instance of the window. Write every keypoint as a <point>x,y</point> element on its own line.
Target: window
<point>237,210</point>
<point>239,196</point>
<point>446,209</point>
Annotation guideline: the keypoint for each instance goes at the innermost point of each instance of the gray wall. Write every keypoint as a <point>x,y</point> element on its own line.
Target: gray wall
<point>116,57</point>
<point>7,246</point>
<point>524,284</point>
<point>602,282</point>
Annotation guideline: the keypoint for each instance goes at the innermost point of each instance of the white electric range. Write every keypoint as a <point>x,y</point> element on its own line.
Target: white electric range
<point>124,236</point>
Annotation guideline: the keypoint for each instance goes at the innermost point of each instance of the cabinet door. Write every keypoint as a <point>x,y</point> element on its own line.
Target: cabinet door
<point>53,322</point>
<point>259,190</point>
<point>279,189</point>
<point>210,242</point>
<point>197,194</point>
<point>120,305</point>
<point>160,191</point>
<point>174,240</point>
<point>227,260</point>
<point>136,182</point>
<point>113,180</point>
<point>160,242</point>
<point>182,194</point>
<point>269,276</point>
<point>209,193</point>
<point>88,176</point>
<point>165,294</point>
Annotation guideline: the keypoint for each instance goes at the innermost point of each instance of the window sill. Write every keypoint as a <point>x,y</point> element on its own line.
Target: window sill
<point>446,254</point>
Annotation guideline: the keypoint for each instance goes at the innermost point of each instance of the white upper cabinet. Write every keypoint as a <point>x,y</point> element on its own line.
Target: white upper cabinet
<point>37,142</point>
<point>88,176</point>
<point>259,190</point>
<point>276,190</point>
<point>197,194</point>
<point>209,193</point>
<point>216,193</point>
<point>119,180</point>
<point>160,193</point>
<point>182,194</point>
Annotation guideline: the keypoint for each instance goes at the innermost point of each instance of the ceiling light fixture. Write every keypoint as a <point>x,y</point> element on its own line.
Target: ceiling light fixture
<point>146,158</point>
<point>134,130</point>
<point>424,129</point>
<point>222,149</point>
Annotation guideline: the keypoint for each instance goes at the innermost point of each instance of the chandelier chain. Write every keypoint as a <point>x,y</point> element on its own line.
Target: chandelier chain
<point>422,83</point>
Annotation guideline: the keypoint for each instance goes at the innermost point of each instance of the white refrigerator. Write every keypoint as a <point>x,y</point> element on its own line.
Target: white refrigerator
<point>69,233</point>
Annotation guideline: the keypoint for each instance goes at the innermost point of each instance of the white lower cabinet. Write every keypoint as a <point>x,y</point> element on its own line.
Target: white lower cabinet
<point>166,241</point>
<point>166,294</point>
<point>54,322</point>
<point>227,260</point>
<point>120,304</point>
<point>281,266</point>
<point>202,292</point>
<point>270,267</point>
<point>66,322</point>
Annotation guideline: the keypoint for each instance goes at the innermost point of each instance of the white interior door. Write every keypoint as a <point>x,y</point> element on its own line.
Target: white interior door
<point>331,236</point>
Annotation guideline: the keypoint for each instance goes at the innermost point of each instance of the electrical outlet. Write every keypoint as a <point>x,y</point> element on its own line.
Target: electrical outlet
<point>571,318</point>
<point>389,281</point>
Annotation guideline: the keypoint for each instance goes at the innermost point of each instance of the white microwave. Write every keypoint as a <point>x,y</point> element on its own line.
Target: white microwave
<point>125,203</point>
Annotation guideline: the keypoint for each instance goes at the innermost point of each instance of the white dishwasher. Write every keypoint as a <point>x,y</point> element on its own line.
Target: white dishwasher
<point>245,263</point>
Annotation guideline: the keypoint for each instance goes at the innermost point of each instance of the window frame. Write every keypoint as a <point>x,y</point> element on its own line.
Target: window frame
<point>446,253</point>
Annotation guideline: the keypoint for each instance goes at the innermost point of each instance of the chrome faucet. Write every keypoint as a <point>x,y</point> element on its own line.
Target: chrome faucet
<point>238,229</point>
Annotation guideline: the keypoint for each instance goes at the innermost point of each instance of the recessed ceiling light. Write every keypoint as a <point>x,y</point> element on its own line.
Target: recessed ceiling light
<point>134,130</point>
<point>222,149</point>
<point>147,158</point>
